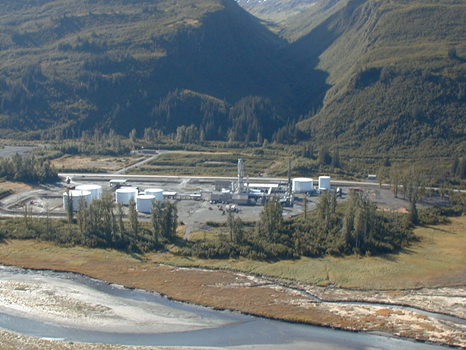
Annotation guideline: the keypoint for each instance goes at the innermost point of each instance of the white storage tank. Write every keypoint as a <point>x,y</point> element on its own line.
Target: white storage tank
<point>144,203</point>
<point>124,195</point>
<point>302,184</point>
<point>96,190</point>
<point>156,192</point>
<point>324,183</point>
<point>76,197</point>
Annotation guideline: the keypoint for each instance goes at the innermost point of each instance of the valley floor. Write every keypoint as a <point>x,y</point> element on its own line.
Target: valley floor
<point>429,276</point>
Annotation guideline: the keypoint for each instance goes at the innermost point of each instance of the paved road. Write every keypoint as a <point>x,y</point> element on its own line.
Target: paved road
<point>156,178</point>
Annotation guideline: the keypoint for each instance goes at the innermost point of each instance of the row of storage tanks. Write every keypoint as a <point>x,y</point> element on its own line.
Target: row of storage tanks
<point>144,202</point>
<point>304,184</point>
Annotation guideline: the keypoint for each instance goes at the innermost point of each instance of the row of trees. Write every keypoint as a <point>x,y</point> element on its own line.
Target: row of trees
<point>180,116</point>
<point>266,240</point>
<point>101,224</point>
<point>92,143</point>
<point>360,229</point>
<point>363,229</point>
<point>27,169</point>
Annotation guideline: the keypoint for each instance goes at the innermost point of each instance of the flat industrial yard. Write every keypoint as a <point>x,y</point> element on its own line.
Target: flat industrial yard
<point>194,213</point>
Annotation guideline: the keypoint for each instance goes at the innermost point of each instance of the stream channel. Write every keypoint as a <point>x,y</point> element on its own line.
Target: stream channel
<point>219,328</point>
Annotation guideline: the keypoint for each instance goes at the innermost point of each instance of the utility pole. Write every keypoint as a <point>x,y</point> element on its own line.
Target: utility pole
<point>289,190</point>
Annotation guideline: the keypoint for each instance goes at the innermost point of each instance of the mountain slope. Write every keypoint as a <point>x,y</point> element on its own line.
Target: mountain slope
<point>378,75</point>
<point>396,82</point>
<point>78,65</point>
<point>292,19</point>
<point>278,14</point>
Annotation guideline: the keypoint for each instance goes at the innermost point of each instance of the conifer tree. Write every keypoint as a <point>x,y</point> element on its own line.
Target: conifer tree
<point>133,218</point>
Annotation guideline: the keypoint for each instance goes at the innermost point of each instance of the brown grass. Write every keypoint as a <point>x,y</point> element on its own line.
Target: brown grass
<point>83,162</point>
<point>15,186</point>
<point>438,259</point>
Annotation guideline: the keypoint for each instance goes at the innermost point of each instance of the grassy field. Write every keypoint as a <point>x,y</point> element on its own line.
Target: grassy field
<point>214,164</point>
<point>437,259</point>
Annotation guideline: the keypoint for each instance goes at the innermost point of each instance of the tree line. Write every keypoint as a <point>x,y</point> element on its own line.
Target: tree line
<point>102,224</point>
<point>359,229</point>
<point>27,169</point>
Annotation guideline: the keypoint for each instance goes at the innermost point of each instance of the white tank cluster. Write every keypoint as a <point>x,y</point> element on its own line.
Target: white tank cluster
<point>144,203</point>
<point>95,190</point>
<point>324,183</point>
<point>156,192</point>
<point>76,197</point>
<point>124,195</point>
<point>302,185</point>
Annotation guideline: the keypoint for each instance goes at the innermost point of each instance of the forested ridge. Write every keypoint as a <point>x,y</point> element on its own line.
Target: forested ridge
<point>379,75</point>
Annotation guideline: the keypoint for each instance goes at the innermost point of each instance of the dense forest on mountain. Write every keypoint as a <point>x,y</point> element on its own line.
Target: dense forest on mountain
<point>370,76</point>
<point>397,77</point>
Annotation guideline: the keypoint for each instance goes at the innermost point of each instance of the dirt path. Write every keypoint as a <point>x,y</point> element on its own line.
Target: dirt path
<point>144,161</point>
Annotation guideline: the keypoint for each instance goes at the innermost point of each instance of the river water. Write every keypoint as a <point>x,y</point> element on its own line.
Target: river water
<point>188,325</point>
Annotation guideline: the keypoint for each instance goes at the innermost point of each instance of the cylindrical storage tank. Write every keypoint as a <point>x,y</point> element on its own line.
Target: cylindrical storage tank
<point>144,203</point>
<point>324,183</point>
<point>76,197</point>
<point>96,190</point>
<point>302,184</point>
<point>156,192</point>
<point>124,195</point>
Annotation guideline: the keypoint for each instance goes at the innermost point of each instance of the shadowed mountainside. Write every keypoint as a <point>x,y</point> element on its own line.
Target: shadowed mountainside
<point>386,75</point>
<point>70,66</point>
<point>396,71</point>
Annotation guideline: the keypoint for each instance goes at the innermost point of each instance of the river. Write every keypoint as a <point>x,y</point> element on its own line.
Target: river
<point>72,307</point>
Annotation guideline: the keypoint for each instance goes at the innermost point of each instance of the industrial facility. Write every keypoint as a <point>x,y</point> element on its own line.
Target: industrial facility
<point>75,197</point>
<point>232,193</point>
